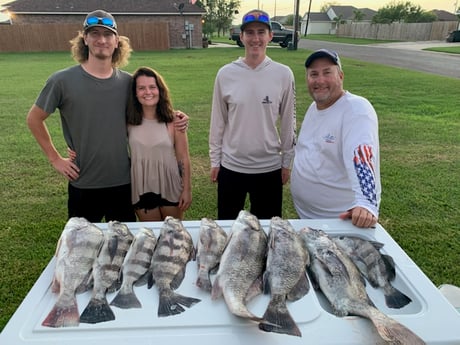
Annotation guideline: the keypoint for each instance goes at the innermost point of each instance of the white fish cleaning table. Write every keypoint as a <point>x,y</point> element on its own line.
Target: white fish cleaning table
<point>209,322</point>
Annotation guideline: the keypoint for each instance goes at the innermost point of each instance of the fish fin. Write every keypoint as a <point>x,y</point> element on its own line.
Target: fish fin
<point>377,245</point>
<point>396,299</point>
<point>113,247</point>
<point>214,269</point>
<point>203,281</point>
<point>86,283</point>
<point>255,289</point>
<point>126,300</point>
<point>277,318</point>
<point>266,283</point>
<point>171,303</point>
<point>193,252</point>
<point>55,285</point>
<point>311,274</point>
<point>63,316</point>
<point>177,280</point>
<point>332,264</point>
<point>115,286</point>
<point>392,331</point>
<point>150,280</point>
<point>144,279</point>
<point>97,311</point>
<point>390,266</point>
<point>216,290</point>
<point>300,289</point>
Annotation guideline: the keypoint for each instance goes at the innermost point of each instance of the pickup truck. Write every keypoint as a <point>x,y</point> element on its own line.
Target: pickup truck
<point>281,35</point>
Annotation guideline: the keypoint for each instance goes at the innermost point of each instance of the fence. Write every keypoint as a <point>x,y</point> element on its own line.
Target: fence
<point>434,31</point>
<point>56,36</point>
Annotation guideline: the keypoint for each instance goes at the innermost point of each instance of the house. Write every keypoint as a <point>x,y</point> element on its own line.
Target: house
<point>326,22</point>
<point>182,17</point>
<point>444,16</point>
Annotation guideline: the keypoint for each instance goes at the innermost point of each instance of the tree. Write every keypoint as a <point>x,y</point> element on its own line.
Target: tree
<point>290,19</point>
<point>402,12</point>
<point>339,20</point>
<point>219,15</point>
<point>325,6</point>
<point>358,15</point>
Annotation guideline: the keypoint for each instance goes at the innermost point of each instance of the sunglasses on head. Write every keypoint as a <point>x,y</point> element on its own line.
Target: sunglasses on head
<point>104,21</point>
<point>256,16</point>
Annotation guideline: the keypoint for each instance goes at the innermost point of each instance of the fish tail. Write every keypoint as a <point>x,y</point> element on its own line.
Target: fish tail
<point>277,318</point>
<point>63,315</point>
<point>238,308</point>
<point>97,311</point>
<point>396,299</point>
<point>392,331</point>
<point>171,303</point>
<point>126,299</point>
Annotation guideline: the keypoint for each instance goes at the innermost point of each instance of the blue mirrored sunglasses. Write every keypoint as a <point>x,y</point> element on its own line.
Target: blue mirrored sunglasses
<point>104,21</point>
<point>252,17</point>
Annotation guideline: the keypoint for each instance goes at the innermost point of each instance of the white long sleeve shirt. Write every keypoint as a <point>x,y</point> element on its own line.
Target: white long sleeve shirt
<point>336,165</point>
<point>253,117</point>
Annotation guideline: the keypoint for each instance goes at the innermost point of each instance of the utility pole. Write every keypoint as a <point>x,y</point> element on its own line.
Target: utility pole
<point>308,18</point>
<point>296,24</point>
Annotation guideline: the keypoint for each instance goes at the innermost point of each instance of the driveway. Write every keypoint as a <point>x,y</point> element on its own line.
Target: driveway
<point>408,55</point>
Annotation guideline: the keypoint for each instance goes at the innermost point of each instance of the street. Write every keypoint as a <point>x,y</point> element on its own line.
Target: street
<point>406,55</point>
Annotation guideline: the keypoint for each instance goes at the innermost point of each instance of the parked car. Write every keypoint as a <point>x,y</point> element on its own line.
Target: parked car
<point>281,35</point>
<point>453,36</point>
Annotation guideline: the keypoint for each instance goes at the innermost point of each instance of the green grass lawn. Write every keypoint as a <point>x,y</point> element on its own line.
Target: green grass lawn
<point>420,150</point>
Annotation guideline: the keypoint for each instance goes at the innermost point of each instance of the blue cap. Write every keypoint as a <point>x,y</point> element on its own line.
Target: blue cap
<point>256,16</point>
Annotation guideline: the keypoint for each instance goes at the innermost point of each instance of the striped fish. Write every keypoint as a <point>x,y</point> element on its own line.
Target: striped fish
<point>209,249</point>
<point>172,253</point>
<point>377,268</point>
<point>135,268</point>
<point>77,248</point>
<point>106,272</point>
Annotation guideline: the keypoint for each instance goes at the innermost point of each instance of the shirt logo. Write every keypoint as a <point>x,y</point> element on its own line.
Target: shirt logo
<point>266,100</point>
<point>329,138</point>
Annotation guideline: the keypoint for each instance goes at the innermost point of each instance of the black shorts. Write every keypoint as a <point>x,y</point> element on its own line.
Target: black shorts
<point>149,201</point>
<point>113,203</point>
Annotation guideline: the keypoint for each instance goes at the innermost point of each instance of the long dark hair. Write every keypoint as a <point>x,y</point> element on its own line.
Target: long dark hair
<point>165,111</point>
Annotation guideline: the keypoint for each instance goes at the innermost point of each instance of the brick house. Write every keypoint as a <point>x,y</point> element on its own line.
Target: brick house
<point>182,19</point>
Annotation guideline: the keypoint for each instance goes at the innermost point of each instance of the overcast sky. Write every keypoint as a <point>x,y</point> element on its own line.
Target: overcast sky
<point>284,7</point>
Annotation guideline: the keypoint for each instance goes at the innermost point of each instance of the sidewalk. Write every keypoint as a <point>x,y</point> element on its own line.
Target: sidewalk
<point>418,45</point>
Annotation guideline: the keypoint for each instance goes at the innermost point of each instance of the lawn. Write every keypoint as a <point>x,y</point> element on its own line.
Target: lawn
<point>420,150</point>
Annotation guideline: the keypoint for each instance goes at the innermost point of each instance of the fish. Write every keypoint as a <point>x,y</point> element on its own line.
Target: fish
<point>173,251</point>
<point>209,249</point>
<point>76,250</point>
<point>377,268</point>
<point>239,277</point>
<point>338,278</point>
<point>135,270</point>
<point>285,276</point>
<point>106,272</point>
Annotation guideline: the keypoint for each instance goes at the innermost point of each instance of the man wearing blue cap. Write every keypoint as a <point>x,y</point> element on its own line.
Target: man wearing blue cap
<point>336,171</point>
<point>92,99</point>
<point>252,132</point>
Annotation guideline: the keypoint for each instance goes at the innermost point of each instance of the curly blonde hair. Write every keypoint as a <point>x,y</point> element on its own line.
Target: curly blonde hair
<point>120,56</point>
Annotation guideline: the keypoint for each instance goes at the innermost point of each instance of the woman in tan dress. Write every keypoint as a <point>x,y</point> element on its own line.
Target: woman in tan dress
<point>160,159</point>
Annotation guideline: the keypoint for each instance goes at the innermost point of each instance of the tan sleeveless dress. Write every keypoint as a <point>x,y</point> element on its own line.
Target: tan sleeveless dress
<point>154,167</point>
